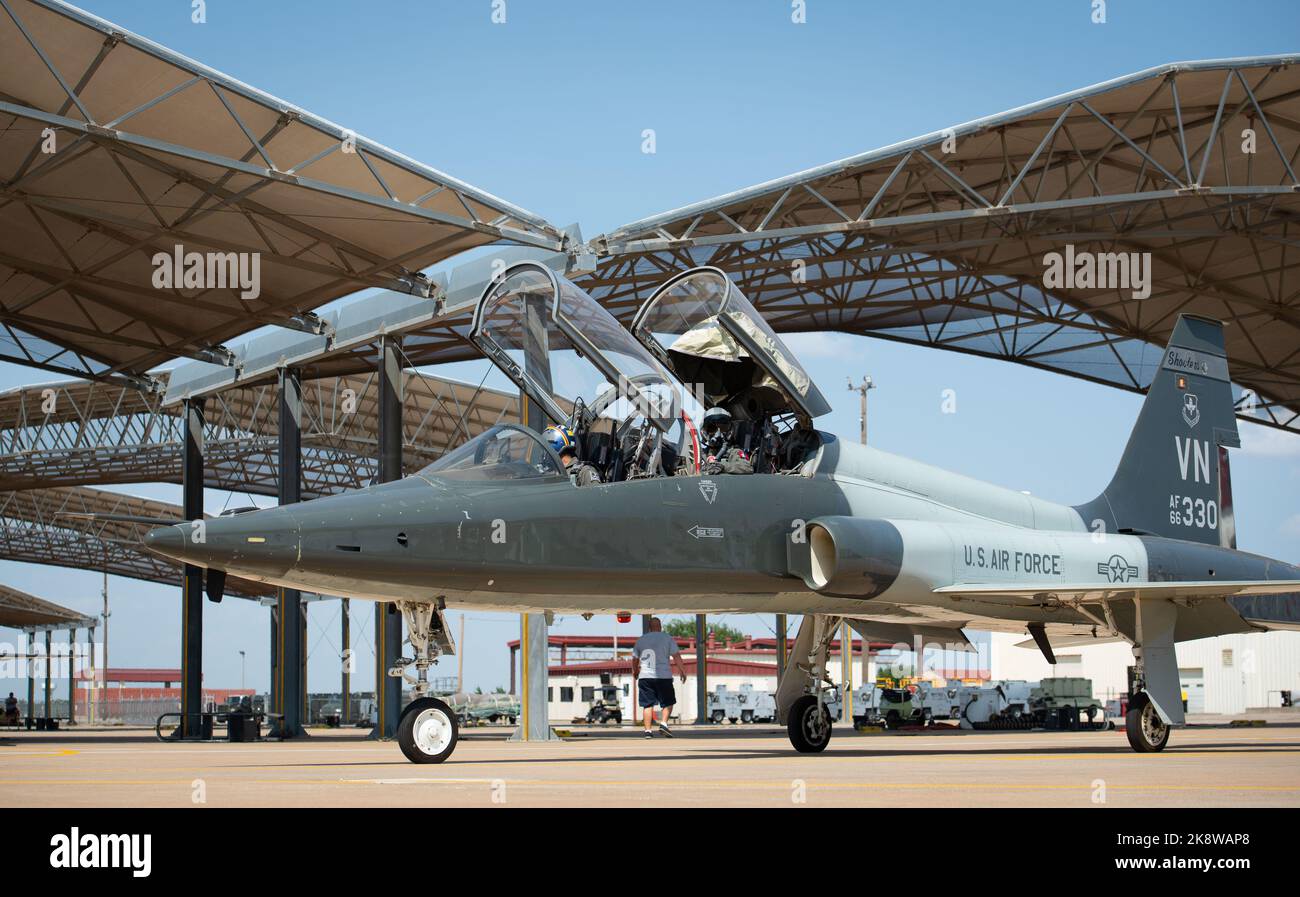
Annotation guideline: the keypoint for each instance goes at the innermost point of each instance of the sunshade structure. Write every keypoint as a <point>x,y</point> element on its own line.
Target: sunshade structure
<point>153,151</point>
<point>87,529</point>
<point>81,432</point>
<point>22,611</point>
<point>942,240</point>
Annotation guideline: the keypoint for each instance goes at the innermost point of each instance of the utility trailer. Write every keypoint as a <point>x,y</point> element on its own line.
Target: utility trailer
<point>747,705</point>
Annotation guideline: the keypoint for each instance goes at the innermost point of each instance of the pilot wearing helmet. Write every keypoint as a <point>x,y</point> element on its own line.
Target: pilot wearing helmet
<point>562,440</point>
<point>720,455</point>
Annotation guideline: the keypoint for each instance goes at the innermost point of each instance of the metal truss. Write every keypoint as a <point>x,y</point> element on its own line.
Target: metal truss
<point>942,240</point>
<point>99,433</point>
<point>53,526</point>
<point>23,611</point>
<point>154,151</point>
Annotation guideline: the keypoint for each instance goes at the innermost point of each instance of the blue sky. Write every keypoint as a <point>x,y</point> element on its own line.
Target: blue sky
<point>547,111</point>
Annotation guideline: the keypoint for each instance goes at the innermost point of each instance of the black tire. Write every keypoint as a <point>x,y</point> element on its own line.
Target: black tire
<point>718,716</point>
<point>423,732</point>
<point>618,719</point>
<point>893,720</point>
<point>1147,733</point>
<point>746,716</point>
<point>806,734</point>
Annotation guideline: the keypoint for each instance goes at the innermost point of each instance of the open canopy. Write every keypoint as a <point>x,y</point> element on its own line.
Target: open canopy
<point>708,333</point>
<point>553,341</point>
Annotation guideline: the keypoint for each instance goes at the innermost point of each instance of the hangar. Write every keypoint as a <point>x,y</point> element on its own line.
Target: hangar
<point>937,241</point>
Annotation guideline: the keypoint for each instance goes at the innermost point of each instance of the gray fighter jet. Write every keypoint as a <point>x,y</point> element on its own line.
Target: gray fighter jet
<point>828,529</point>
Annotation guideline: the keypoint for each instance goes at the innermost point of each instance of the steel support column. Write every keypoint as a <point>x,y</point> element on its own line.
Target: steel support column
<point>534,645</point>
<point>782,632</point>
<point>346,641</point>
<point>48,672</point>
<point>292,666</point>
<point>31,677</point>
<point>846,672</point>
<point>72,676</point>
<point>388,623</point>
<point>701,674</point>
<point>93,694</point>
<point>275,656</point>
<point>192,584</point>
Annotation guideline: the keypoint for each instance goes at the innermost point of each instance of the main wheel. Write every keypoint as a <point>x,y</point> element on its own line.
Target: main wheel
<point>1147,732</point>
<point>428,731</point>
<point>810,731</point>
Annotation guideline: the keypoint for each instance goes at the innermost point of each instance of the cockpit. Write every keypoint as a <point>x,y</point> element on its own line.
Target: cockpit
<point>633,400</point>
<point>700,326</point>
<point>503,452</point>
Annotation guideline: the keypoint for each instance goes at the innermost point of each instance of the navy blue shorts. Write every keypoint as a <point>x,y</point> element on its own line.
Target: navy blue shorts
<point>650,692</point>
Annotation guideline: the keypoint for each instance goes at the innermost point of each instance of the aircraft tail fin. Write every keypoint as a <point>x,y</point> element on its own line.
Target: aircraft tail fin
<point>1173,477</point>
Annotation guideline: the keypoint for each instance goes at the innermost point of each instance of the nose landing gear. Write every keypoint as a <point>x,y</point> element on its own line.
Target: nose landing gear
<point>427,732</point>
<point>800,695</point>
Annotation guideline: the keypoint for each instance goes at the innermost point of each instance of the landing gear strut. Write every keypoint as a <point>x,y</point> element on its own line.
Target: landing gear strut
<point>427,732</point>
<point>1154,706</point>
<point>800,695</point>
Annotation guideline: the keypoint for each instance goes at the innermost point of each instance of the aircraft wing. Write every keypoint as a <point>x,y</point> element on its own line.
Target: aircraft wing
<point>1095,591</point>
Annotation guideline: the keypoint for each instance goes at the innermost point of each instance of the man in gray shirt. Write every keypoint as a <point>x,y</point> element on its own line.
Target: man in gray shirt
<point>652,656</point>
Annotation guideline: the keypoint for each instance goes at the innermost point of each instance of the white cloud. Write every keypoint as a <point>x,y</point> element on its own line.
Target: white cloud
<point>823,345</point>
<point>1268,442</point>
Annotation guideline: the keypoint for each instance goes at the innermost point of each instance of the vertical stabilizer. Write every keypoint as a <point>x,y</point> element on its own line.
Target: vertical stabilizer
<point>1173,477</point>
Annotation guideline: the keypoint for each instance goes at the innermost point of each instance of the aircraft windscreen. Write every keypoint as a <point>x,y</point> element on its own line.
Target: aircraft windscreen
<point>556,341</point>
<point>506,452</point>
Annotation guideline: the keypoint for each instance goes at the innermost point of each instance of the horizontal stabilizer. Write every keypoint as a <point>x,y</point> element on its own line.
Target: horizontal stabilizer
<point>1094,591</point>
<point>907,633</point>
<point>1073,641</point>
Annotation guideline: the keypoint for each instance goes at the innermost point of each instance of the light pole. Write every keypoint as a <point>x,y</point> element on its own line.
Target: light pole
<point>846,633</point>
<point>104,693</point>
<point>861,389</point>
<point>241,670</point>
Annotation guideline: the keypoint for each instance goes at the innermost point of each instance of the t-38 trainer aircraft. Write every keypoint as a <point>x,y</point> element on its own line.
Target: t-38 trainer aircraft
<point>827,529</point>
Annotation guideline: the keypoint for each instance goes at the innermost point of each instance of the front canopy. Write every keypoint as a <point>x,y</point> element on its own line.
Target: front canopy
<point>553,340</point>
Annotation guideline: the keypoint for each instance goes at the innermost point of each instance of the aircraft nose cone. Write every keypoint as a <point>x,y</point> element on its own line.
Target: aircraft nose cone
<point>166,540</point>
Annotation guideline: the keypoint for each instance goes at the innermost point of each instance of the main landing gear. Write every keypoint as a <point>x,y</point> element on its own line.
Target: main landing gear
<point>800,695</point>
<point>427,732</point>
<point>1155,706</point>
<point>1147,732</point>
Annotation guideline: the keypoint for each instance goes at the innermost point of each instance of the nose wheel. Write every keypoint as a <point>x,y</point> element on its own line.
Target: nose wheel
<point>428,731</point>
